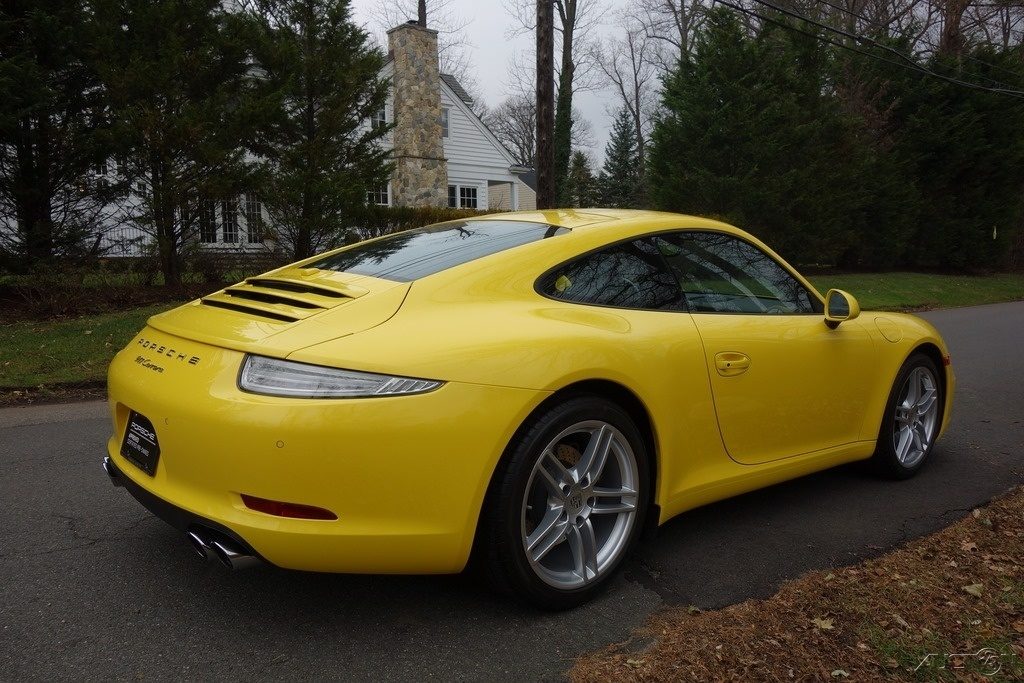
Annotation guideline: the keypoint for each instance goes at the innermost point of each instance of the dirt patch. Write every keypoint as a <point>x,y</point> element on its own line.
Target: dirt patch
<point>945,607</point>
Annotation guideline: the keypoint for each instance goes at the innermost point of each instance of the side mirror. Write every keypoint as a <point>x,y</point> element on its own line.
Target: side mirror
<point>840,306</point>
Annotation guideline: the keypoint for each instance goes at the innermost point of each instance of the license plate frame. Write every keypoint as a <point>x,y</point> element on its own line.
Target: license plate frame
<point>140,445</point>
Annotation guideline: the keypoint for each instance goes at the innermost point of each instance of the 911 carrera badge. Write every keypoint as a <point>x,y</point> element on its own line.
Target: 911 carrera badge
<point>169,352</point>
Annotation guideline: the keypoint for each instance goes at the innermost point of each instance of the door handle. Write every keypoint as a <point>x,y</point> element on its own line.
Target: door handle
<point>731,363</point>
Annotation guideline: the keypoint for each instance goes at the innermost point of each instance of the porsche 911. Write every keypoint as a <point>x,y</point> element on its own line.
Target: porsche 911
<point>523,393</point>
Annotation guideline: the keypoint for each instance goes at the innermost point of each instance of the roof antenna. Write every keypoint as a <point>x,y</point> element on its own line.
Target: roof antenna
<point>423,13</point>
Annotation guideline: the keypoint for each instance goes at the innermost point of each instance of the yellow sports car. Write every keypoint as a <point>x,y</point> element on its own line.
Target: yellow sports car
<point>525,390</point>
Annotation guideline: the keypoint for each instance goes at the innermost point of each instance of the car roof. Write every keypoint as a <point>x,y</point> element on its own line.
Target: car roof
<point>595,227</point>
<point>597,218</point>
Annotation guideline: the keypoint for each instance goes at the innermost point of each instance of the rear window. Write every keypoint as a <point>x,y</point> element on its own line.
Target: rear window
<point>413,254</point>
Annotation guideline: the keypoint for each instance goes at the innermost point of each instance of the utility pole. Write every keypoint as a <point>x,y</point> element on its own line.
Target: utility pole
<point>545,160</point>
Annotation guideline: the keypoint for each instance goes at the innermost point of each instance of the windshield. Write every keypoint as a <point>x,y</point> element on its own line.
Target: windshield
<point>413,254</point>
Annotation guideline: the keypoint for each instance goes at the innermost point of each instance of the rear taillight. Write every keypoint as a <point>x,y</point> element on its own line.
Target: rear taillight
<point>946,359</point>
<point>280,509</point>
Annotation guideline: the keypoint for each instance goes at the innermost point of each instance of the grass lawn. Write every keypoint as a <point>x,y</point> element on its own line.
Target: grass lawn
<point>921,291</point>
<point>75,350</point>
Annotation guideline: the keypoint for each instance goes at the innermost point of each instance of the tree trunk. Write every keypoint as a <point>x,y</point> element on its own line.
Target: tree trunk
<point>563,112</point>
<point>951,41</point>
<point>563,133</point>
<point>545,104</point>
<point>167,242</point>
<point>33,189</point>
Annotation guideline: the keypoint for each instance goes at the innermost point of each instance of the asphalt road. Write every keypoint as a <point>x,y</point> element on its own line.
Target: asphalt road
<point>92,586</point>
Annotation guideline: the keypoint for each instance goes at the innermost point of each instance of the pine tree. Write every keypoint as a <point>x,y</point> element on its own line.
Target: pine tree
<point>751,133</point>
<point>620,184</point>
<point>180,90</point>
<point>52,131</point>
<point>321,157</point>
<point>580,184</point>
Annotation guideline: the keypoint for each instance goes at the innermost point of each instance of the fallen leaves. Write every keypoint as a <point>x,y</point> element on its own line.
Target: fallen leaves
<point>951,592</point>
<point>823,624</point>
<point>975,589</point>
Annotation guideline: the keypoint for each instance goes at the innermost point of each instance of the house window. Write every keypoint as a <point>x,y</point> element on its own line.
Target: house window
<point>379,196</point>
<point>467,197</point>
<point>253,218</point>
<point>460,197</point>
<point>379,119</point>
<point>207,222</point>
<point>229,221</point>
<point>444,122</point>
<point>100,170</point>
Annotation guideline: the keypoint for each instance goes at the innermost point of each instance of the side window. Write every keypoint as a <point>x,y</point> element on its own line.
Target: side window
<point>628,275</point>
<point>720,273</point>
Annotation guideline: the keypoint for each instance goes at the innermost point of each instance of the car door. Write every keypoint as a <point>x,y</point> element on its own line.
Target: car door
<point>654,349</point>
<point>784,384</point>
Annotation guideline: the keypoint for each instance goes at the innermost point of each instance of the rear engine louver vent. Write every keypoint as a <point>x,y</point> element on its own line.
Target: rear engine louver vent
<point>282,300</point>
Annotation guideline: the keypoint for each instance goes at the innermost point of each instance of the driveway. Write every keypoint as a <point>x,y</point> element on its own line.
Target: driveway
<point>92,586</point>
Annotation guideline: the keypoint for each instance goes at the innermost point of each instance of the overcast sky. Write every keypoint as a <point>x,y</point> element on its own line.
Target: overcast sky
<point>493,51</point>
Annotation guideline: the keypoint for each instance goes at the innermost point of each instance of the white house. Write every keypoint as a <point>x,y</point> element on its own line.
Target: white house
<point>444,155</point>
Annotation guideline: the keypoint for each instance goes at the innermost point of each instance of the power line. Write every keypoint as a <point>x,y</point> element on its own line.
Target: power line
<point>816,36</point>
<point>908,62</point>
<point>933,46</point>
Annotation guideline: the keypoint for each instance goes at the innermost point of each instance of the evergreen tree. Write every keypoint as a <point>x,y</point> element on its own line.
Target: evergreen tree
<point>580,185</point>
<point>321,156</point>
<point>751,133</point>
<point>52,131</point>
<point>965,150</point>
<point>178,79</point>
<point>620,177</point>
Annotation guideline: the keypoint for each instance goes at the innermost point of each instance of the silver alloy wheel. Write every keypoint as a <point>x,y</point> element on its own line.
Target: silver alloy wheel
<point>917,416</point>
<point>577,519</point>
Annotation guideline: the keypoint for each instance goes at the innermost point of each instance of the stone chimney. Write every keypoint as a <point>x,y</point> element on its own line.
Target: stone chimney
<point>421,171</point>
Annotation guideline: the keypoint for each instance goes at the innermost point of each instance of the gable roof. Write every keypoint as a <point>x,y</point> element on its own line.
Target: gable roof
<point>457,88</point>
<point>529,179</point>
<point>479,124</point>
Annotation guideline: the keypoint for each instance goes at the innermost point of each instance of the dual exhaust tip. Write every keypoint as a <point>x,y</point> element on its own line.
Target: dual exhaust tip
<point>206,544</point>
<point>221,550</point>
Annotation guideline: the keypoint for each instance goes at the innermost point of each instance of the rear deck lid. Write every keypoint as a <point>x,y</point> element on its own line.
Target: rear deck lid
<point>286,310</point>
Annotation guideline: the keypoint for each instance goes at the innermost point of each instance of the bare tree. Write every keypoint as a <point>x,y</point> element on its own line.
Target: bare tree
<point>670,26</point>
<point>574,23</point>
<point>454,45</point>
<point>625,60</point>
<point>514,123</point>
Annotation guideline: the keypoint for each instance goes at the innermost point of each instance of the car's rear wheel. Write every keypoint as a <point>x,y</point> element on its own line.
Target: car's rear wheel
<point>913,416</point>
<point>566,504</point>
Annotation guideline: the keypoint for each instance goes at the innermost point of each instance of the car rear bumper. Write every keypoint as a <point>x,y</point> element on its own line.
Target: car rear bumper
<point>177,517</point>
<point>405,476</point>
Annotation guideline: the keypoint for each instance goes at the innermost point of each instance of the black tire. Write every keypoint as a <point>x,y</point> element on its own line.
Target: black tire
<point>886,461</point>
<point>500,553</point>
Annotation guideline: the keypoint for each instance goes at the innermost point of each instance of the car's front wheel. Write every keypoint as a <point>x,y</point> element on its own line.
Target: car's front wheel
<point>912,419</point>
<point>566,504</point>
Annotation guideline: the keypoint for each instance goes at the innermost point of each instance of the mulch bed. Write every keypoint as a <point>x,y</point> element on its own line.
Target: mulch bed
<point>61,393</point>
<point>952,595</point>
